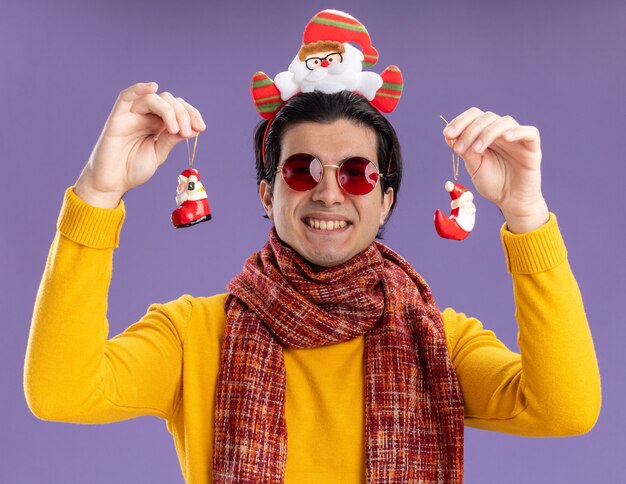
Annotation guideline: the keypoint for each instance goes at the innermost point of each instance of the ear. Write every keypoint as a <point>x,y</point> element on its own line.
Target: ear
<point>265,193</point>
<point>387,202</point>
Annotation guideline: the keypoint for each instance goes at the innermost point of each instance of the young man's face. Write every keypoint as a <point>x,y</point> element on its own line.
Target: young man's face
<point>294,212</point>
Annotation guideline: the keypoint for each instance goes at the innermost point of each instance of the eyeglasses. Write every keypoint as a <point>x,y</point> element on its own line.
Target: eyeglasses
<point>333,58</point>
<point>355,175</point>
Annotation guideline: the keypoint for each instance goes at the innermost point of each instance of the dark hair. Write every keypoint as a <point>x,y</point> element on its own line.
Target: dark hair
<point>319,107</point>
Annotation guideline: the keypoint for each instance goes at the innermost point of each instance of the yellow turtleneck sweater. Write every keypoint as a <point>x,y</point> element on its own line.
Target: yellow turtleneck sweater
<point>167,363</point>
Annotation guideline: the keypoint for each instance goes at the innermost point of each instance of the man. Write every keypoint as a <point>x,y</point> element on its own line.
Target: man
<point>328,359</point>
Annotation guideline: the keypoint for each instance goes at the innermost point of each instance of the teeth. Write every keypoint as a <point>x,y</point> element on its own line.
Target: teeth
<point>327,224</point>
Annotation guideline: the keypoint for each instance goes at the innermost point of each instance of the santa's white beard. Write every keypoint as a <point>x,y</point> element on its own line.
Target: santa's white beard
<point>467,215</point>
<point>182,194</point>
<point>334,78</point>
<point>315,75</point>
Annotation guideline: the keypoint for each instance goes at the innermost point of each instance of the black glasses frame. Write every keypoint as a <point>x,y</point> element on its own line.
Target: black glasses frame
<point>321,59</point>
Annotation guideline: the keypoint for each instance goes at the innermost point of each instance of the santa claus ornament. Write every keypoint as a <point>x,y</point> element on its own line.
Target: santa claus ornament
<point>328,62</point>
<point>460,222</point>
<point>191,198</point>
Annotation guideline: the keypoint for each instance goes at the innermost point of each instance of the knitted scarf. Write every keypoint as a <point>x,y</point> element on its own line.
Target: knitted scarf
<point>413,408</point>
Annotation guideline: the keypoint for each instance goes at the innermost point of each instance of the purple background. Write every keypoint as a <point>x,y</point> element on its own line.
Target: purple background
<point>557,65</point>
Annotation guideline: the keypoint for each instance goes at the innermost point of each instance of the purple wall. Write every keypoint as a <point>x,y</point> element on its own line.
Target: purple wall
<point>557,65</point>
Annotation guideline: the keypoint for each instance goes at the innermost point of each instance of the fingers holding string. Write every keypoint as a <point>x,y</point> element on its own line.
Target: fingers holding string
<point>188,119</point>
<point>171,114</point>
<point>461,132</point>
<point>197,123</point>
<point>183,114</point>
<point>468,127</point>
<point>455,127</point>
<point>190,122</point>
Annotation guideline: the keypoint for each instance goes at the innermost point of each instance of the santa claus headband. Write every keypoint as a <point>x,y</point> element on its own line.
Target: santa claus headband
<point>327,62</point>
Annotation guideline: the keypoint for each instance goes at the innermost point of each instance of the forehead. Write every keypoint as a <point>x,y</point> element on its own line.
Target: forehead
<point>330,142</point>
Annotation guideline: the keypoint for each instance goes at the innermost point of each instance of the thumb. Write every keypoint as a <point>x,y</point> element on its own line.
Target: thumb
<point>473,162</point>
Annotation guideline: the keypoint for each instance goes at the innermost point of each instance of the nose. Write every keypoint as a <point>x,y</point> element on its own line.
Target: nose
<point>325,63</point>
<point>328,191</point>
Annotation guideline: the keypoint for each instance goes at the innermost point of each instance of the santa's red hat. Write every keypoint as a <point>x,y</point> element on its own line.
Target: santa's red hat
<point>455,190</point>
<point>333,25</point>
<point>191,171</point>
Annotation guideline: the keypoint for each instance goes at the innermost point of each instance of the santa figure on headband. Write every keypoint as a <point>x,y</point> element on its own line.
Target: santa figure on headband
<point>329,63</point>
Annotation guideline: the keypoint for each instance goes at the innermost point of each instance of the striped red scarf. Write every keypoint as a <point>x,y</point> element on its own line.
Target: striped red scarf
<point>413,408</point>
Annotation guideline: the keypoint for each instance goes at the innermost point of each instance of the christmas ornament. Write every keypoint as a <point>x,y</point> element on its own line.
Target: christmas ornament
<point>191,198</point>
<point>460,222</point>
<point>328,63</point>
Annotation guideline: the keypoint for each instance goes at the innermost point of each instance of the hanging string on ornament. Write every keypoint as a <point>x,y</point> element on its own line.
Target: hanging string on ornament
<point>460,222</point>
<point>189,154</point>
<point>456,158</point>
<point>191,198</point>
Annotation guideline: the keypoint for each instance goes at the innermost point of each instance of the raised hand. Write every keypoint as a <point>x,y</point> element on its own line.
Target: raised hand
<point>503,158</point>
<point>140,132</point>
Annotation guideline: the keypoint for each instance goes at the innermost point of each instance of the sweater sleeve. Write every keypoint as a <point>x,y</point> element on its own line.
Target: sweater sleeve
<point>73,372</point>
<point>552,388</point>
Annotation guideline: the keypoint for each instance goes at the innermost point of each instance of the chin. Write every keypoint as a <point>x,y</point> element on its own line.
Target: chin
<point>322,256</point>
<point>326,260</point>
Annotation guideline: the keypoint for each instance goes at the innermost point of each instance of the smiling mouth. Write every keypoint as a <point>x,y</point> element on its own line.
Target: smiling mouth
<point>325,224</point>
